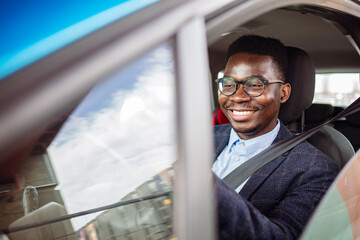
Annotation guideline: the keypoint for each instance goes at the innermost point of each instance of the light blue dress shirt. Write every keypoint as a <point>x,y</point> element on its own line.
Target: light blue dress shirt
<point>238,151</point>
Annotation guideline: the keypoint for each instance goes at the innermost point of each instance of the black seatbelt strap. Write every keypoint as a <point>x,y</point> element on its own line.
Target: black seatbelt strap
<point>244,171</point>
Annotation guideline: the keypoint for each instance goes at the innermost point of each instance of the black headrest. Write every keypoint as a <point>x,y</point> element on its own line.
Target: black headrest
<point>353,119</point>
<point>318,112</point>
<point>301,75</point>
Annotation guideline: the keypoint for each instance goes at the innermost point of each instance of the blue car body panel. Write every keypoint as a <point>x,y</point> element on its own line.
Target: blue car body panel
<point>31,30</point>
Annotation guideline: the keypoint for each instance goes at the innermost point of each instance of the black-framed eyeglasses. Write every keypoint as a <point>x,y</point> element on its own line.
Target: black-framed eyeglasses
<point>253,86</point>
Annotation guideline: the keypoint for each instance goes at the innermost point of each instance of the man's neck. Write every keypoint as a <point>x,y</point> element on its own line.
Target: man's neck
<point>250,135</point>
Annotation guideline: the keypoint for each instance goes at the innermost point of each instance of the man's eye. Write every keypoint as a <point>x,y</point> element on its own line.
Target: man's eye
<point>255,85</point>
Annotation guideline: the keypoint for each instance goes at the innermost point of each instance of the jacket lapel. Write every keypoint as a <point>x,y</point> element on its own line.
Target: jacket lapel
<point>256,180</point>
<point>222,135</point>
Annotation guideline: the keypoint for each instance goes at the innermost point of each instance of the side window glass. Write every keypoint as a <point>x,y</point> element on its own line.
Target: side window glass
<point>110,164</point>
<point>337,89</point>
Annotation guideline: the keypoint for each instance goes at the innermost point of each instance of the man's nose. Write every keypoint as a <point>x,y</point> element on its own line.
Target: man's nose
<point>240,95</point>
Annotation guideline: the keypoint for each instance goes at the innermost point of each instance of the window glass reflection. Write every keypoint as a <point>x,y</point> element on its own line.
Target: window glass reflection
<point>116,148</point>
<point>120,136</point>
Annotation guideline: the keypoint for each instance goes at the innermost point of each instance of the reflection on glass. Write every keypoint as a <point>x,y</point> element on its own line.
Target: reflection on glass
<point>117,149</point>
<point>119,137</point>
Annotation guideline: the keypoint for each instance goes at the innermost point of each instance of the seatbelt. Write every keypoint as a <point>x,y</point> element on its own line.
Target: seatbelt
<point>245,170</point>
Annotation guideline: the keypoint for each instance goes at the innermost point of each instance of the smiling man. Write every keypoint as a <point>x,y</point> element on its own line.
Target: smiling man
<point>252,118</point>
<point>278,199</point>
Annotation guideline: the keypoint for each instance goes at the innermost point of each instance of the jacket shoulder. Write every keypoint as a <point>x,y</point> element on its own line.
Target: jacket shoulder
<point>221,129</point>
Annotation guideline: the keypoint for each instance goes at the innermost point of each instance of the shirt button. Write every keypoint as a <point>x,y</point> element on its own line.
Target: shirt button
<point>236,159</point>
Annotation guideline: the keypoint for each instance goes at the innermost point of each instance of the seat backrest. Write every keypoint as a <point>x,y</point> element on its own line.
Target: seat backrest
<point>301,75</point>
<point>334,144</point>
<point>350,127</point>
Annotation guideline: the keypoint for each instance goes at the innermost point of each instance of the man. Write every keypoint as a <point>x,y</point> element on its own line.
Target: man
<point>278,199</point>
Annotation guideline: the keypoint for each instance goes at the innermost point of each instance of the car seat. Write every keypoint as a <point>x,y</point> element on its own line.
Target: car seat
<point>219,118</point>
<point>350,127</point>
<point>301,75</point>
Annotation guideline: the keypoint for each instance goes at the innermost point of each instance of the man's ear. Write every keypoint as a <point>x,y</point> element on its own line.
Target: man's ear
<point>285,92</point>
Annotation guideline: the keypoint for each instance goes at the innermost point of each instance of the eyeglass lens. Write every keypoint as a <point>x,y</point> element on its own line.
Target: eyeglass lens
<point>253,86</point>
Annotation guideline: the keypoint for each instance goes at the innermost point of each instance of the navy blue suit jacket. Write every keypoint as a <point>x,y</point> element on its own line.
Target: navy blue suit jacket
<point>279,198</point>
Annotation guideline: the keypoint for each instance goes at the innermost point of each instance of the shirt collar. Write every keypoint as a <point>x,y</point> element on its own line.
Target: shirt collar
<point>252,145</point>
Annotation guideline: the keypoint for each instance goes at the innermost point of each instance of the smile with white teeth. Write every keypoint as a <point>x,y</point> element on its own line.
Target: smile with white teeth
<point>241,113</point>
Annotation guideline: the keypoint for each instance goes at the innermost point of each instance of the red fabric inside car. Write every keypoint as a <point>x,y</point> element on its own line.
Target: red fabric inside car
<point>219,118</point>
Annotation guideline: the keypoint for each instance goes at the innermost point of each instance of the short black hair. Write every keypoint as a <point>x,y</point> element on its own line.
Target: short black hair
<point>259,45</point>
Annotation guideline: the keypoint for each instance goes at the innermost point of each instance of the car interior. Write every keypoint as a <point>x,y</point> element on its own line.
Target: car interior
<point>322,45</point>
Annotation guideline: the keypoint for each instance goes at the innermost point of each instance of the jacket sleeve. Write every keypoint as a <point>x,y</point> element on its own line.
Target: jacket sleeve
<point>239,219</point>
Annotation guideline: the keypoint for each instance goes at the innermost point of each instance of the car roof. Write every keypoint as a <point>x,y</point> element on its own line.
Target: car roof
<point>308,28</point>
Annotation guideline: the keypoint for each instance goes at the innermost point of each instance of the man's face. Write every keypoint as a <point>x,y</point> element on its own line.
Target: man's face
<point>253,116</point>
